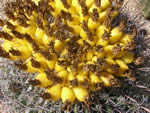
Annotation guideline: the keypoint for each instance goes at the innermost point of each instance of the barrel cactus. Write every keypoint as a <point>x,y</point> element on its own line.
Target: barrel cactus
<point>71,45</point>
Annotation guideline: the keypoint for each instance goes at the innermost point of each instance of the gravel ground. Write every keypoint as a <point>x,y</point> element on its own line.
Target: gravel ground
<point>17,96</point>
<point>135,14</point>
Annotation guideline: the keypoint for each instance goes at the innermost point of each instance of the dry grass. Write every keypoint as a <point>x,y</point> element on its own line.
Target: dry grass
<point>17,96</point>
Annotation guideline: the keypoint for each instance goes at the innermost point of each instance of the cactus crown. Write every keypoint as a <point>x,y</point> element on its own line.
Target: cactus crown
<point>70,43</point>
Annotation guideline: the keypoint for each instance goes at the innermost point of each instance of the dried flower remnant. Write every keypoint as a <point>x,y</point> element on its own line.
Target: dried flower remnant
<point>15,52</point>
<point>6,36</point>
<point>3,53</point>
<point>66,16</point>
<point>99,48</point>
<point>95,15</point>
<point>9,25</point>
<point>66,5</point>
<point>106,35</point>
<point>34,82</point>
<point>46,96</point>
<point>17,34</point>
<point>115,67</point>
<point>21,65</point>
<point>116,49</point>
<point>130,46</point>
<point>2,22</point>
<point>84,7</point>
<point>35,63</point>
<point>98,3</point>
<point>139,60</point>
